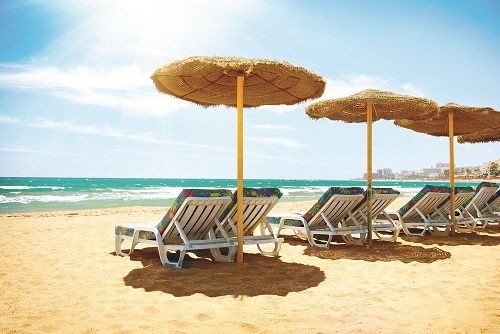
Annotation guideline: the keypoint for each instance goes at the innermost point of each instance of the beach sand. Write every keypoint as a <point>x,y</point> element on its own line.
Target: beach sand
<point>59,274</point>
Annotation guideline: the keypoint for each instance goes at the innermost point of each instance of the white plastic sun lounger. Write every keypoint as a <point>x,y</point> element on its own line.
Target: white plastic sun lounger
<point>323,220</point>
<point>415,217</point>
<point>472,216</point>
<point>462,196</point>
<point>385,229</point>
<point>257,202</point>
<point>184,228</point>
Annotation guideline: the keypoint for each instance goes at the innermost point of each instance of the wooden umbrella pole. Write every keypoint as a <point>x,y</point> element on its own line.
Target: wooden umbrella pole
<point>369,167</point>
<point>452,172</point>
<point>239,191</point>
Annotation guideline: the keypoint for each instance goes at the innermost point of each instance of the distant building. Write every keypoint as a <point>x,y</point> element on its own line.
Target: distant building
<point>443,165</point>
<point>385,173</point>
<point>431,172</point>
<point>485,167</point>
<point>441,171</point>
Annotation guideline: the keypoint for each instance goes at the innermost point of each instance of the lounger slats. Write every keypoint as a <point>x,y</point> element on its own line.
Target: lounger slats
<point>475,213</point>
<point>324,217</point>
<point>426,206</point>
<point>257,202</point>
<point>381,198</point>
<point>338,208</point>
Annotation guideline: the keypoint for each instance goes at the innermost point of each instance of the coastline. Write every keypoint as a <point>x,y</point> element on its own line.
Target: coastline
<point>53,194</point>
<point>59,274</point>
<point>463,180</point>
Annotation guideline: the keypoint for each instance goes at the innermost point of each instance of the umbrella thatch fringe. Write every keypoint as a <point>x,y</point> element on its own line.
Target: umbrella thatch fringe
<point>211,81</point>
<point>466,120</point>
<point>387,105</point>
<point>485,136</point>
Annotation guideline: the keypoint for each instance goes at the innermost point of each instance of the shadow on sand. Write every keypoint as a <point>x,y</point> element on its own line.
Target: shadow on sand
<point>379,251</point>
<point>258,275</point>
<point>490,236</point>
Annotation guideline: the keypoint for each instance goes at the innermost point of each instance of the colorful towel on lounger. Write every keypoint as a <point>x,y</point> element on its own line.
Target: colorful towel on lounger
<point>252,192</point>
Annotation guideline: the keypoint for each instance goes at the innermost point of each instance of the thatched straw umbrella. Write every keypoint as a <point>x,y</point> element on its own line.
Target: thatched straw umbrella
<point>359,108</point>
<point>455,120</point>
<point>485,136</point>
<point>215,81</point>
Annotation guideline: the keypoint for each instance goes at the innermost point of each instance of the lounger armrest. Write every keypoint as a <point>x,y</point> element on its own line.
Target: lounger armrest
<point>293,216</point>
<point>393,212</point>
<point>388,215</point>
<point>221,230</point>
<point>149,227</point>
<point>286,216</point>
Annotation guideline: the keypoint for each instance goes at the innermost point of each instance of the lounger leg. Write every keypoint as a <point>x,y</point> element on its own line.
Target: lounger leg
<point>118,245</point>
<point>436,231</point>
<point>181,258</point>
<point>330,237</point>
<point>264,225</point>
<point>387,235</point>
<point>216,252</point>
<point>163,254</point>
<point>391,233</point>
<point>350,240</point>
<point>274,252</point>
<point>312,241</point>
<point>469,226</point>
<point>134,242</point>
<point>218,256</point>
<point>408,232</point>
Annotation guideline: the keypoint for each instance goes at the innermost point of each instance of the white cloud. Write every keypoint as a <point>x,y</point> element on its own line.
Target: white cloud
<point>355,83</point>
<point>282,109</point>
<point>29,150</point>
<point>272,127</point>
<point>182,156</point>
<point>8,119</point>
<point>409,89</point>
<point>127,88</point>
<point>108,131</point>
<point>277,141</point>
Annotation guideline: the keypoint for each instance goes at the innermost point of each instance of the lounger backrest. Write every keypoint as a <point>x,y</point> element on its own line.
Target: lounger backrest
<point>462,195</point>
<point>381,198</point>
<point>426,201</point>
<point>223,194</point>
<point>257,202</point>
<point>335,204</point>
<point>493,204</point>
<point>484,191</point>
<point>195,210</point>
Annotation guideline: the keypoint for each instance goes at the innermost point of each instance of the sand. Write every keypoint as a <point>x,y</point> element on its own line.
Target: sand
<point>59,274</point>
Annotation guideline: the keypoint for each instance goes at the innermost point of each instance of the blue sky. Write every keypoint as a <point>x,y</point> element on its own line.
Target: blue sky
<point>76,99</point>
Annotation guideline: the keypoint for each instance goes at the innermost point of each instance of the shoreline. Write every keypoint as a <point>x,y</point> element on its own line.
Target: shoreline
<point>303,205</point>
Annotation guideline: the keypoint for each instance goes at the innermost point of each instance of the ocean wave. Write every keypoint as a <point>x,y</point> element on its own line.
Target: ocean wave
<point>23,199</point>
<point>31,187</point>
<point>39,194</point>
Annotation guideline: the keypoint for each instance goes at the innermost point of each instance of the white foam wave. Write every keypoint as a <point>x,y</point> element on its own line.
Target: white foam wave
<point>43,199</point>
<point>28,187</point>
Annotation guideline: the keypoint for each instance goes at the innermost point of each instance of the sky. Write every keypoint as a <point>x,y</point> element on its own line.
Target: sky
<point>76,98</point>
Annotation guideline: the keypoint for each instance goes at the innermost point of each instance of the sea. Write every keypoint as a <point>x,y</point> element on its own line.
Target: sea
<point>35,194</point>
